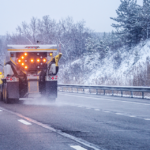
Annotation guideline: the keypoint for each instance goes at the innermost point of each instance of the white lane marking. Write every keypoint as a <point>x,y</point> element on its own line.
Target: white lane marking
<point>96,109</point>
<point>146,118</point>
<point>132,116</point>
<point>108,100</point>
<point>78,148</point>
<point>24,122</point>
<point>79,140</point>
<point>119,114</point>
<point>112,100</point>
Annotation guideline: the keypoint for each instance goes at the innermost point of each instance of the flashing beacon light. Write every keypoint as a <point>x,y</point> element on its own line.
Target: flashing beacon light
<point>25,54</point>
<point>26,67</point>
<point>44,60</point>
<point>22,64</point>
<point>38,60</point>
<point>32,60</point>
<point>19,61</point>
<point>22,57</point>
<point>51,54</point>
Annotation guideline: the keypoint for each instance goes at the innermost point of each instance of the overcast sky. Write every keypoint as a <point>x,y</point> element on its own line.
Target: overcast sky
<point>96,13</point>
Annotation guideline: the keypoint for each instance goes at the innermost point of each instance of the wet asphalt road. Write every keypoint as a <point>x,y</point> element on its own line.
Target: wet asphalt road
<point>75,121</point>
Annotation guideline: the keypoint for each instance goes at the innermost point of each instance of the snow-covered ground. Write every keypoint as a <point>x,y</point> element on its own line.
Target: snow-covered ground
<point>92,70</point>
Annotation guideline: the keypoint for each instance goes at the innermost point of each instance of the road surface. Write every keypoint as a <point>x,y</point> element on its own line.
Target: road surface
<point>75,122</point>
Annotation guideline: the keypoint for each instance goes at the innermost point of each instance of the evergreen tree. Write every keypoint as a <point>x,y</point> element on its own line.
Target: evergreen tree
<point>129,24</point>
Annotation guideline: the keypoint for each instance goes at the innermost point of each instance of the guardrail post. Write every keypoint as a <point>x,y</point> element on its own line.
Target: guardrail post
<point>77,90</point>
<point>62,89</point>
<point>96,91</point>
<point>104,92</point>
<point>112,93</point>
<point>143,95</point>
<point>131,94</point>
<point>90,91</point>
<point>121,93</point>
<point>83,90</point>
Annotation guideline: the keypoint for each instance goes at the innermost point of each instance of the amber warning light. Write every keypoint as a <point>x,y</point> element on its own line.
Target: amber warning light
<point>38,60</point>
<point>32,60</point>
<point>44,60</point>
<point>19,61</point>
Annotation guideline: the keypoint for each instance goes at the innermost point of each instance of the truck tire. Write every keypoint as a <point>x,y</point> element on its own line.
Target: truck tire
<point>5,94</point>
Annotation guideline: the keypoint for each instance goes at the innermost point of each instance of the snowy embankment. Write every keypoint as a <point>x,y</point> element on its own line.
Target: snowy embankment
<point>90,69</point>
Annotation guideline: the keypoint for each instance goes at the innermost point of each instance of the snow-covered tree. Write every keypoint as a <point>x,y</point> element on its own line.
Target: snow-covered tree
<point>129,22</point>
<point>118,59</point>
<point>71,36</point>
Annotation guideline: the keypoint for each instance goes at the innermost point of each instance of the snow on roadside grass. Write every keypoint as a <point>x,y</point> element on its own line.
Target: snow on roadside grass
<point>104,72</point>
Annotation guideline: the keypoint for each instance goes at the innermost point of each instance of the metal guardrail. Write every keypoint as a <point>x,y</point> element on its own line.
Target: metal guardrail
<point>105,87</point>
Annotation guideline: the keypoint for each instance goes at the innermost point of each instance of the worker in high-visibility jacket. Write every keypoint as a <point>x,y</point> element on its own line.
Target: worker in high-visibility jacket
<point>1,76</point>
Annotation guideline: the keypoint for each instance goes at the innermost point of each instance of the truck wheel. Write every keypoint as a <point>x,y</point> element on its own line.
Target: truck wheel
<point>5,94</point>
